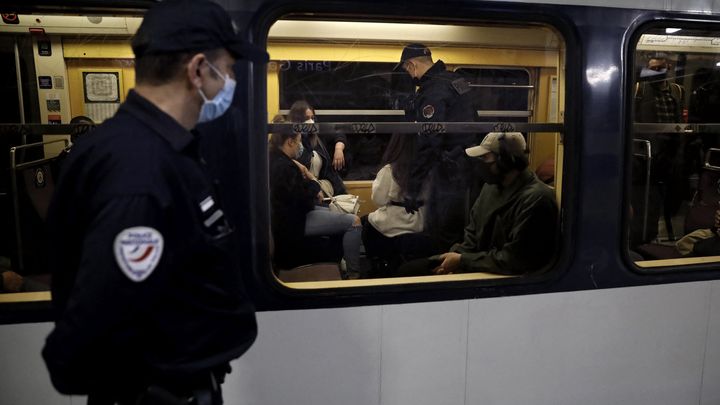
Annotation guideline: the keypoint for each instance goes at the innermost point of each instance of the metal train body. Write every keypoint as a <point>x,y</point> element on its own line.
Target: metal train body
<point>598,327</point>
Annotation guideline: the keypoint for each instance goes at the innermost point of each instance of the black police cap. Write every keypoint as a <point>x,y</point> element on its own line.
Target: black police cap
<point>412,51</point>
<point>179,26</point>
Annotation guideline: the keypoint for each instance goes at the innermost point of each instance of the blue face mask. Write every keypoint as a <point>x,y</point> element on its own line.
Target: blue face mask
<point>216,107</point>
<point>300,151</point>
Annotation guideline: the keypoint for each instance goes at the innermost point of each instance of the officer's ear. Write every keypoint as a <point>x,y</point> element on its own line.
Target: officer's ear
<point>411,65</point>
<point>193,70</point>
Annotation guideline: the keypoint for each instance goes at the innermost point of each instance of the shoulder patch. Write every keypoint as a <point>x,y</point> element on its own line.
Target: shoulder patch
<point>428,111</point>
<point>138,251</point>
<point>461,86</point>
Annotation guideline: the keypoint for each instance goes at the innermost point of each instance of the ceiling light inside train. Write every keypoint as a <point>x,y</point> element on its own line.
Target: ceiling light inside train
<point>672,30</point>
<point>597,75</point>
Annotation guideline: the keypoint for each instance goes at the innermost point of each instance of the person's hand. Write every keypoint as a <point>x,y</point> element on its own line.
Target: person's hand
<point>450,263</point>
<point>304,170</point>
<point>339,156</point>
<point>320,197</point>
<point>11,281</point>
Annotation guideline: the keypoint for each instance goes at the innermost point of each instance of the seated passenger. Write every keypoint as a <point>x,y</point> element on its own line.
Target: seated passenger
<point>513,223</point>
<point>294,195</point>
<point>315,155</point>
<point>701,242</point>
<point>12,282</point>
<point>391,234</point>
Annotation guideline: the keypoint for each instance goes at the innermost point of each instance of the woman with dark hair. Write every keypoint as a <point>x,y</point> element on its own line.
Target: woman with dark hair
<point>316,156</point>
<point>392,233</point>
<point>294,193</point>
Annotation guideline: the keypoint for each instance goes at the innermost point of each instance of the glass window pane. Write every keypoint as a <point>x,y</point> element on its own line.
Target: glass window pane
<point>674,172</point>
<point>383,131</point>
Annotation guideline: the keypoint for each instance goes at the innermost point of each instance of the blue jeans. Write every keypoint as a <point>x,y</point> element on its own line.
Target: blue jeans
<point>323,222</point>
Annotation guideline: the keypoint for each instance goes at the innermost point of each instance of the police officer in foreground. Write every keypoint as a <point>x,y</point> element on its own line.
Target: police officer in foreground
<point>147,294</point>
<point>441,96</point>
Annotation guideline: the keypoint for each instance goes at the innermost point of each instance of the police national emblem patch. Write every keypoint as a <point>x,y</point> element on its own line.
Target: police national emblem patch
<point>138,251</point>
<point>428,111</point>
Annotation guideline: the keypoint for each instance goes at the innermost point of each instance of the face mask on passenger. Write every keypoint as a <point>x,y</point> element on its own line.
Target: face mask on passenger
<point>212,109</point>
<point>655,72</point>
<point>484,171</point>
<point>301,148</point>
<point>653,76</point>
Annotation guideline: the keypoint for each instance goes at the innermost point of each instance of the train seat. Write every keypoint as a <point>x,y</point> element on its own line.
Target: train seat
<point>701,213</point>
<point>316,249</point>
<point>39,186</point>
<point>33,190</point>
<point>311,272</point>
<point>653,251</point>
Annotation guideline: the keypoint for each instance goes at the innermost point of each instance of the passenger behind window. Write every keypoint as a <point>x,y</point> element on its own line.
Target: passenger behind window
<point>295,196</point>
<point>658,100</point>
<point>513,224</point>
<point>703,242</point>
<point>315,154</point>
<point>12,282</point>
<point>441,96</point>
<point>392,233</point>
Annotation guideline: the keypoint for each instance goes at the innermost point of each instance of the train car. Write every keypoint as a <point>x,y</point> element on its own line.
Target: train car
<point>627,310</point>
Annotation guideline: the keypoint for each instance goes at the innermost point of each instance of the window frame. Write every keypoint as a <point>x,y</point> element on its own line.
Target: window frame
<point>703,267</point>
<point>449,289</point>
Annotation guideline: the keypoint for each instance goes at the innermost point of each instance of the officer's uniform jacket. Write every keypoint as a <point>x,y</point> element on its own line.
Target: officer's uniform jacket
<point>439,159</point>
<point>442,96</point>
<point>136,192</point>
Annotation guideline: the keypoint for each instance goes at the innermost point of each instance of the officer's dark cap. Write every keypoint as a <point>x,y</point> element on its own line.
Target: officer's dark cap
<point>412,51</point>
<point>185,26</point>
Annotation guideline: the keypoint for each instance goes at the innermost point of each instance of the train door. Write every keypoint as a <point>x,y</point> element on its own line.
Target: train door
<point>62,74</point>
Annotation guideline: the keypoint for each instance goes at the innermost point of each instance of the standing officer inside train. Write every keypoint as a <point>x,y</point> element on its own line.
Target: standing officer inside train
<point>441,96</point>
<point>148,297</point>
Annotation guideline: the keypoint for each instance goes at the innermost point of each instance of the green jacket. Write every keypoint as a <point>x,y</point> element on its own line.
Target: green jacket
<point>512,230</point>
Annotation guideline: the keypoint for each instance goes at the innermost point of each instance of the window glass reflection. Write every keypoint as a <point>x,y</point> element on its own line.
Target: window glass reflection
<point>674,182</point>
<point>417,187</point>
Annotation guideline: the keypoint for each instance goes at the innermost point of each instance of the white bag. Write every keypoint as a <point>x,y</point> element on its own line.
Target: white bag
<point>345,203</point>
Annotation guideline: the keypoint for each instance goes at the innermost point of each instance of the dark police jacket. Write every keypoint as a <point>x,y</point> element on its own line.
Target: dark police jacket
<point>291,198</point>
<point>442,96</point>
<point>120,325</point>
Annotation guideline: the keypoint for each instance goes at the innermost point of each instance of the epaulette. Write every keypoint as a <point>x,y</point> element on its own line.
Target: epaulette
<point>461,86</point>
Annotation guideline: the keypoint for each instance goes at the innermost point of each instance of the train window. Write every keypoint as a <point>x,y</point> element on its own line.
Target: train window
<point>381,184</point>
<point>369,91</point>
<point>347,91</point>
<point>62,74</point>
<point>500,94</point>
<point>675,160</point>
